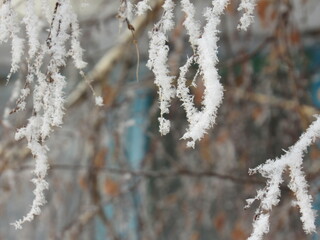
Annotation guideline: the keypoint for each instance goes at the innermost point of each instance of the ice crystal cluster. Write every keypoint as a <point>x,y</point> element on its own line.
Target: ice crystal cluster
<point>45,84</point>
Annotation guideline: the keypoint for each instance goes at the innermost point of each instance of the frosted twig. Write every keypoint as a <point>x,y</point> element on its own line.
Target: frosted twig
<point>48,99</point>
<point>247,18</point>
<point>273,171</point>
<point>201,121</point>
<point>158,57</point>
<point>192,26</point>
<point>9,29</point>
<point>142,7</point>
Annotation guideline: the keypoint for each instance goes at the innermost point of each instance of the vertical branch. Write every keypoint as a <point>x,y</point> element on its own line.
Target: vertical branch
<point>48,99</point>
<point>158,57</point>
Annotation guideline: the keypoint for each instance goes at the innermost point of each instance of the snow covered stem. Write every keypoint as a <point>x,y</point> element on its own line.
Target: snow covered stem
<point>158,57</point>
<point>9,30</point>
<point>247,18</point>
<point>204,44</point>
<point>48,99</point>
<point>205,49</point>
<point>207,58</point>
<point>273,171</point>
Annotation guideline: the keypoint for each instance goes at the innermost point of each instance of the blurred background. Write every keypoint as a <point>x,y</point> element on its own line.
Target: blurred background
<point>113,176</point>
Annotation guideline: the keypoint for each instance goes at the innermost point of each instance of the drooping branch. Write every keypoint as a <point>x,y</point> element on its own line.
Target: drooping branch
<point>158,57</point>
<point>48,99</point>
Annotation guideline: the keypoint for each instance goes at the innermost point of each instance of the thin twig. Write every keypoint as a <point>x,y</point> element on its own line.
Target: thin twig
<point>154,173</point>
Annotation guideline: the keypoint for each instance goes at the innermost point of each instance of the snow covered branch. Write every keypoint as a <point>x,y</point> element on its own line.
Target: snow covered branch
<point>48,99</point>
<point>247,18</point>
<point>207,59</point>
<point>204,44</point>
<point>9,29</point>
<point>205,54</point>
<point>45,82</point>
<point>273,171</point>
<point>158,57</point>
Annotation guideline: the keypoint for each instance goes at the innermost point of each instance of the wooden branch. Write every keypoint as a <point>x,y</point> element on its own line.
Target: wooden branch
<point>73,230</point>
<point>247,56</point>
<point>155,173</point>
<point>264,99</point>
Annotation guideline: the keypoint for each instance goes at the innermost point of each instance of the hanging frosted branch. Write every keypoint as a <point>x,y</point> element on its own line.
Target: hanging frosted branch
<point>9,29</point>
<point>46,11</point>
<point>13,98</point>
<point>273,171</point>
<point>48,99</point>
<point>125,11</point>
<point>207,49</point>
<point>192,26</point>
<point>76,52</point>
<point>142,7</point>
<point>204,44</point>
<point>183,92</point>
<point>205,54</point>
<point>158,57</point>
<point>33,27</point>
<point>32,133</point>
<point>247,18</point>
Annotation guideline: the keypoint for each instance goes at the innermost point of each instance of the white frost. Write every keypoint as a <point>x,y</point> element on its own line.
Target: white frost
<point>273,171</point>
<point>247,18</point>
<point>142,7</point>
<point>158,57</point>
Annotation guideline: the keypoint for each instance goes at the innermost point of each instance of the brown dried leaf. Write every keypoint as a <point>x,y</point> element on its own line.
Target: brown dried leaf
<point>295,37</point>
<point>220,221</point>
<point>99,160</point>
<point>231,7</point>
<point>205,149</point>
<point>109,94</point>
<point>238,233</point>
<point>314,153</point>
<point>195,236</point>
<point>83,181</point>
<point>262,7</point>
<point>111,187</point>
<point>256,113</point>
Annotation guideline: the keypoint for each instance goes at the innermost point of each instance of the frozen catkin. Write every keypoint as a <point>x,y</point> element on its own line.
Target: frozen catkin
<point>273,171</point>
<point>47,83</point>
